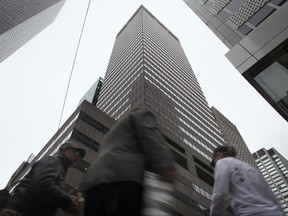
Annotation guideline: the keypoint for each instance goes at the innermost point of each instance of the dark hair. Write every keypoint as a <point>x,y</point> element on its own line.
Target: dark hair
<point>231,151</point>
<point>228,150</point>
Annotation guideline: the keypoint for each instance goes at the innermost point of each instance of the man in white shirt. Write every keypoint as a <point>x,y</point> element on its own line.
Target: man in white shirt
<point>240,185</point>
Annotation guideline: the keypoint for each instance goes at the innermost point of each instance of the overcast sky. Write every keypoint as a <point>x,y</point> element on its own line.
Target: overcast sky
<point>34,79</point>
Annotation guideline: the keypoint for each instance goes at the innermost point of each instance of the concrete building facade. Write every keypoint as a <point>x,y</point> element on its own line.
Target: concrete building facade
<point>256,32</point>
<point>274,168</point>
<point>231,135</point>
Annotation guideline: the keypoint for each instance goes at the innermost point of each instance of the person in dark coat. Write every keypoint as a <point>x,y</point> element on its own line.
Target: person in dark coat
<point>112,186</point>
<point>43,191</point>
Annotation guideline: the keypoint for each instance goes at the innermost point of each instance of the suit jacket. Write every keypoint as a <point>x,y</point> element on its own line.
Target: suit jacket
<point>43,190</point>
<point>132,145</point>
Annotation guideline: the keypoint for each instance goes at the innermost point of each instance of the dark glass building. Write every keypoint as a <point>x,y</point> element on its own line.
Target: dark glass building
<point>21,20</point>
<point>92,94</point>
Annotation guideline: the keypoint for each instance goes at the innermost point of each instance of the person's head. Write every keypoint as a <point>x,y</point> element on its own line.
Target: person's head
<point>222,152</point>
<point>72,152</point>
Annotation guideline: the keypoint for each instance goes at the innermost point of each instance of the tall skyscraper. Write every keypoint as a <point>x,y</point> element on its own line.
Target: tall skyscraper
<point>256,32</point>
<point>231,135</point>
<point>274,168</point>
<point>21,20</point>
<point>148,68</point>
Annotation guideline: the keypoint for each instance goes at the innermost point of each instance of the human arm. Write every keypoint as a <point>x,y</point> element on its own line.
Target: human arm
<point>220,194</point>
<point>47,183</point>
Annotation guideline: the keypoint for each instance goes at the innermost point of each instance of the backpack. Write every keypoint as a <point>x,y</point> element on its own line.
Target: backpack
<point>4,194</point>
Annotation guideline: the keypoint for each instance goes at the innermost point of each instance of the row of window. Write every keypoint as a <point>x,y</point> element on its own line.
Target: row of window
<point>199,134</point>
<point>169,61</point>
<point>161,123</point>
<point>197,149</point>
<point>118,102</point>
<point>220,140</point>
<point>122,90</point>
<point>194,187</point>
<point>192,203</point>
<point>168,83</point>
<point>166,63</point>
<point>125,71</point>
<point>123,112</point>
<point>116,89</point>
<point>175,101</point>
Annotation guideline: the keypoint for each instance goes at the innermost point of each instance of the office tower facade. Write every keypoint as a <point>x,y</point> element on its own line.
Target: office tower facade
<point>20,21</point>
<point>148,68</point>
<point>231,135</point>
<point>274,168</point>
<point>256,32</point>
<point>92,94</point>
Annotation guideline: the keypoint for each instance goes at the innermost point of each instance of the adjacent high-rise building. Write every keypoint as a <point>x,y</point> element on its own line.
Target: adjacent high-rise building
<point>274,168</point>
<point>92,94</point>
<point>231,135</point>
<point>21,20</point>
<point>256,32</point>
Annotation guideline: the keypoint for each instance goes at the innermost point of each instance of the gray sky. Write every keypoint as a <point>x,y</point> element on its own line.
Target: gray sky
<point>34,79</point>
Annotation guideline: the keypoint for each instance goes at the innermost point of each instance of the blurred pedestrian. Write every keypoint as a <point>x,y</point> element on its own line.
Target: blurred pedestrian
<point>42,191</point>
<point>113,184</point>
<point>242,186</point>
<point>158,196</point>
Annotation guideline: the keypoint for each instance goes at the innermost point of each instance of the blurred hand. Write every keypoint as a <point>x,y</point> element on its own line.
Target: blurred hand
<point>80,203</point>
<point>74,207</point>
<point>78,198</point>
